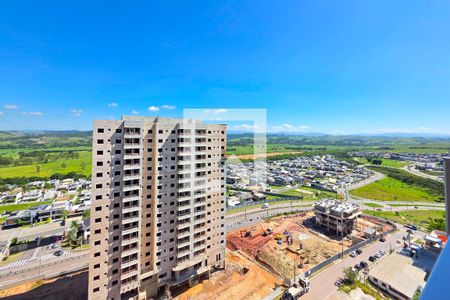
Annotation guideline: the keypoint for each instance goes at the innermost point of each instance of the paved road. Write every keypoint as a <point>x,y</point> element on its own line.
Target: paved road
<point>412,169</point>
<point>30,233</point>
<point>322,284</point>
<point>49,267</point>
<point>29,262</point>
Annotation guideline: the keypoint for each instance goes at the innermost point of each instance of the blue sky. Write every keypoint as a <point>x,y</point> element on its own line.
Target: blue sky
<point>320,66</point>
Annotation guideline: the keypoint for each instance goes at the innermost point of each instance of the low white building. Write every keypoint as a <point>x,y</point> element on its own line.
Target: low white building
<point>397,276</point>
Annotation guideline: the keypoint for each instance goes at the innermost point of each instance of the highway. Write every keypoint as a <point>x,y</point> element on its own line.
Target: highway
<point>38,269</point>
<point>30,233</point>
<point>412,169</point>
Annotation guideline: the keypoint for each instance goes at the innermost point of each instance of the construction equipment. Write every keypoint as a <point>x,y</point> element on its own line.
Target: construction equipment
<point>246,233</point>
<point>268,231</point>
<point>297,290</point>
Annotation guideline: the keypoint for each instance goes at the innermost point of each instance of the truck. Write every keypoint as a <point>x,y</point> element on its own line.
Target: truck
<point>297,290</point>
<point>268,231</point>
<point>411,226</point>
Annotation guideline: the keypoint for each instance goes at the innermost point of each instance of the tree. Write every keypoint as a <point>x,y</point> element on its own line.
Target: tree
<point>86,214</point>
<point>63,165</point>
<point>73,224</point>
<point>436,224</point>
<point>38,169</point>
<point>83,165</point>
<point>72,237</point>
<point>350,275</point>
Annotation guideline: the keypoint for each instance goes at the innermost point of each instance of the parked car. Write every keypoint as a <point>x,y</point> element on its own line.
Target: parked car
<point>377,255</point>
<point>372,258</point>
<point>359,251</point>
<point>398,241</point>
<point>357,267</point>
<point>58,253</point>
<point>382,239</point>
<point>353,254</point>
<point>339,282</point>
<point>382,252</point>
<point>363,264</point>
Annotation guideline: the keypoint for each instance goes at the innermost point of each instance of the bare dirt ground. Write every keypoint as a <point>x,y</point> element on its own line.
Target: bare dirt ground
<point>71,287</point>
<point>262,155</point>
<point>241,279</point>
<point>309,247</point>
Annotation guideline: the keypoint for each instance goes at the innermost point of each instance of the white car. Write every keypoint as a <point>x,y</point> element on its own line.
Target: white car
<point>382,252</point>
<point>353,254</point>
<point>377,255</point>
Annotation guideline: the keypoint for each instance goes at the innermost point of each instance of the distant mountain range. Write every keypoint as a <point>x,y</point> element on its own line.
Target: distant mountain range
<point>80,133</point>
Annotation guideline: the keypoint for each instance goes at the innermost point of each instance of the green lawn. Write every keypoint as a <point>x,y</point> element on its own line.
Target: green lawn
<point>433,173</point>
<point>13,207</point>
<point>13,152</point>
<point>389,189</point>
<point>373,205</point>
<point>384,162</point>
<point>421,218</point>
<point>412,204</point>
<point>48,169</point>
<point>306,197</point>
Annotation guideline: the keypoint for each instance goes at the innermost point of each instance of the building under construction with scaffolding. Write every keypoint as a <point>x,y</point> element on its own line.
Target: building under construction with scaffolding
<point>336,216</point>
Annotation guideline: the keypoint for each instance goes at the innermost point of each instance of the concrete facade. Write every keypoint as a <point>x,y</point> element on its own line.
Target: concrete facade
<point>336,216</point>
<point>158,205</point>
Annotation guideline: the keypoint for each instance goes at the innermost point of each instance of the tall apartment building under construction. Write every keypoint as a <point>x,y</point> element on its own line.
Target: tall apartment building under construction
<point>336,216</point>
<point>158,207</point>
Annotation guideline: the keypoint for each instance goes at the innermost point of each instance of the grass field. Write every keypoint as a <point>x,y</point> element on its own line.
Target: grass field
<point>373,205</point>
<point>389,189</point>
<point>384,162</point>
<point>412,204</point>
<point>316,194</point>
<point>13,152</point>
<point>421,218</point>
<point>48,169</point>
<point>13,207</point>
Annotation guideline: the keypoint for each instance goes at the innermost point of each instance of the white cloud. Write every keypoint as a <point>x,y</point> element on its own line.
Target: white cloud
<point>11,106</point>
<point>288,128</point>
<point>76,112</point>
<point>215,111</point>
<point>153,108</point>
<point>1,113</point>
<point>33,113</point>
<point>167,107</point>
<point>112,104</point>
<point>134,112</point>
<point>241,127</point>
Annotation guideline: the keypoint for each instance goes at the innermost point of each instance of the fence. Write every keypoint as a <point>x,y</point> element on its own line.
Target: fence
<point>261,202</point>
<point>348,250</point>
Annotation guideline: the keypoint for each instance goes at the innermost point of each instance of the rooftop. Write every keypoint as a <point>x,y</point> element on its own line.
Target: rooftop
<point>399,272</point>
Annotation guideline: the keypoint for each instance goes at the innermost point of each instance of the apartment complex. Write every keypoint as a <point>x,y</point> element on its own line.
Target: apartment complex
<point>336,216</point>
<point>158,206</point>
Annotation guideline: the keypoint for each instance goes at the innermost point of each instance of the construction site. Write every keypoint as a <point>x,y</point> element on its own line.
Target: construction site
<point>262,256</point>
<point>291,245</point>
<point>241,279</point>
